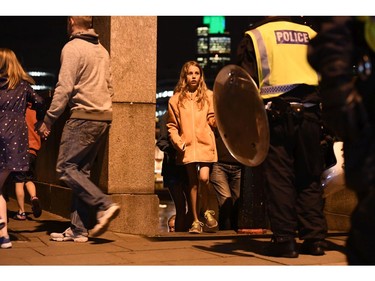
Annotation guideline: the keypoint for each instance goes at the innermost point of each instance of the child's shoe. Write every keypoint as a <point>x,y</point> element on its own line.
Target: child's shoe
<point>35,207</point>
<point>20,216</point>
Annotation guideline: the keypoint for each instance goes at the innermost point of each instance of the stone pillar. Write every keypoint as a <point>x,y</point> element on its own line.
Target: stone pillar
<point>131,41</point>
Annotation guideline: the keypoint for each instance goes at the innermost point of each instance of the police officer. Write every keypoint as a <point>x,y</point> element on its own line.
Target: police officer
<point>348,103</point>
<point>274,53</point>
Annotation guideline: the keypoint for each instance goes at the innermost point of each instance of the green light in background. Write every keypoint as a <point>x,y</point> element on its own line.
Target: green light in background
<point>216,23</point>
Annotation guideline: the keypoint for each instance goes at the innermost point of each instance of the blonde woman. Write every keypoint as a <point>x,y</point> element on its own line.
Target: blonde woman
<point>15,94</point>
<point>190,122</point>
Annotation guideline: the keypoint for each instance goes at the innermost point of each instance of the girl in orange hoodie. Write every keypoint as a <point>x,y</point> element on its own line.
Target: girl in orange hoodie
<point>190,122</point>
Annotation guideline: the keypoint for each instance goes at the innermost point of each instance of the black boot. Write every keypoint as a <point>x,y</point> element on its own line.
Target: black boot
<point>283,247</point>
<point>314,247</point>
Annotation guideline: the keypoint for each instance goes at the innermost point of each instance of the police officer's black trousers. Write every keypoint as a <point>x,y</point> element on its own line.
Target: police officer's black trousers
<point>292,169</point>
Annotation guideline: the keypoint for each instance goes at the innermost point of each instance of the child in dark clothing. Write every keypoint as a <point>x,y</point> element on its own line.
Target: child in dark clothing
<point>26,178</point>
<point>174,178</point>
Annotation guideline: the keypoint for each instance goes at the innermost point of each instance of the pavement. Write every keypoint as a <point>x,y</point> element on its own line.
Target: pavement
<point>32,246</point>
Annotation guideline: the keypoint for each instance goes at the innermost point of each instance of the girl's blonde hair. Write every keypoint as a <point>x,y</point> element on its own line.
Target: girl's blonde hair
<point>182,85</point>
<point>11,69</point>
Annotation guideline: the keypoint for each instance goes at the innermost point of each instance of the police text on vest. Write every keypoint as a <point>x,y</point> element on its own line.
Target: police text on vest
<point>291,37</point>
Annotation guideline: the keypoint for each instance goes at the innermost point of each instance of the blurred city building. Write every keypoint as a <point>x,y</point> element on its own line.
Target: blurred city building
<point>213,46</point>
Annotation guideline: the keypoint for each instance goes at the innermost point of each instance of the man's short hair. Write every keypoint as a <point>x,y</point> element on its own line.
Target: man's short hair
<point>83,21</point>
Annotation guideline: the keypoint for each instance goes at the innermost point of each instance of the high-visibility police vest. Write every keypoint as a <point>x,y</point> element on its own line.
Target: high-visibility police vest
<point>369,31</point>
<point>281,54</point>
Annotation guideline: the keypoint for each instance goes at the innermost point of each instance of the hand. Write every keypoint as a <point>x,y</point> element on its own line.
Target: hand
<point>42,129</point>
<point>212,122</point>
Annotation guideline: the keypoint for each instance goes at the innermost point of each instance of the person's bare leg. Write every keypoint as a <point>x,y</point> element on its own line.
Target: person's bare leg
<point>193,189</point>
<point>20,196</point>
<point>189,215</point>
<point>204,177</point>
<point>3,216</point>
<point>204,173</point>
<point>31,189</point>
<point>3,204</point>
<point>35,203</point>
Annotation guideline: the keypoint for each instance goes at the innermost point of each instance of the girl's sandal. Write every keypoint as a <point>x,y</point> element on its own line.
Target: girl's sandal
<point>20,216</point>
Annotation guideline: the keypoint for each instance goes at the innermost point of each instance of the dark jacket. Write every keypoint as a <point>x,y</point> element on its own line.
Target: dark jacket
<point>224,156</point>
<point>337,53</point>
<point>348,94</point>
<point>170,171</point>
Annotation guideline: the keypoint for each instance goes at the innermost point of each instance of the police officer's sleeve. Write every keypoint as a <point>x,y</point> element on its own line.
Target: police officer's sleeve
<point>246,57</point>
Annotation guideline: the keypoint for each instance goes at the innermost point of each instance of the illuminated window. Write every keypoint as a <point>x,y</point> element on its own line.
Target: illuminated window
<point>202,31</point>
<point>220,45</point>
<point>202,45</point>
<point>216,23</point>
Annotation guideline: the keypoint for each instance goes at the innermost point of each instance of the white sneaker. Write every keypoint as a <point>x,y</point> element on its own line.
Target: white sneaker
<point>69,235</point>
<point>104,218</point>
<point>211,222</point>
<point>196,227</point>
<point>5,243</point>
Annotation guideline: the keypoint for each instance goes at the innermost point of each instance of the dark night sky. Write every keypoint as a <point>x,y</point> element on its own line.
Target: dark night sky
<point>177,40</point>
<point>37,40</point>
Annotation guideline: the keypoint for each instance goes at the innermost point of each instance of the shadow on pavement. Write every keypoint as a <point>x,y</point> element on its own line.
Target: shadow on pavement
<point>238,245</point>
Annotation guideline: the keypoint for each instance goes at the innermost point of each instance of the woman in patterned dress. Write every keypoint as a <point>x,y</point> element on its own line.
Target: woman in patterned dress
<point>15,93</point>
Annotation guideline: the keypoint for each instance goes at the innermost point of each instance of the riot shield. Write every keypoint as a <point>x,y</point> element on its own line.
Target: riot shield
<point>241,116</point>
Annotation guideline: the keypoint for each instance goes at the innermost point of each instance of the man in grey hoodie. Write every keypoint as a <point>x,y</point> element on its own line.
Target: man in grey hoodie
<point>84,84</point>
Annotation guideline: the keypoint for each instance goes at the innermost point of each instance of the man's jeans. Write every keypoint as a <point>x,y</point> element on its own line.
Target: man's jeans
<point>80,143</point>
<point>226,180</point>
